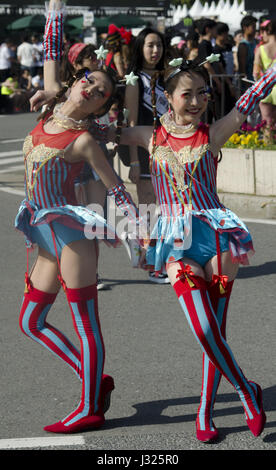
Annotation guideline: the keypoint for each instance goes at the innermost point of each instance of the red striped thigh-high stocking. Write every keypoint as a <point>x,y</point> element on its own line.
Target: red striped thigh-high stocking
<point>89,414</point>
<point>192,292</point>
<point>33,323</point>
<point>219,295</point>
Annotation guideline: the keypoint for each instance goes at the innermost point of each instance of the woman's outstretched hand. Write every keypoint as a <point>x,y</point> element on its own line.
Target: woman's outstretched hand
<point>40,98</point>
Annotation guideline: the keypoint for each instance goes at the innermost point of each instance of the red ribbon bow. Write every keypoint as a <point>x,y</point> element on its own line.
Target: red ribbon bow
<point>184,273</point>
<point>126,35</point>
<point>222,280</point>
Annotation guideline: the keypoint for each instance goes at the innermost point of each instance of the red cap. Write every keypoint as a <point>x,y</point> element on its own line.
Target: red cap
<point>74,51</point>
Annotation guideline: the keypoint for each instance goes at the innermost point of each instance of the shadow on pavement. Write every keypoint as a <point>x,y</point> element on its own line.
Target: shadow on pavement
<point>158,412</point>
<point>255,271</point>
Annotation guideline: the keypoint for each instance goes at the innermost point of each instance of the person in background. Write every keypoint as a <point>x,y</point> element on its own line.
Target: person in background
<point>127,45</point>
<point>38,51</point>
<point>246,48</point>
<point>191,51</point>
<point>207,30</point>
<point>75,57</point>
<point>26,55</point>
<point>6,58</point>
<point>224,67</point>
<point>37,81</point>
<point>148,63</point>
<point>17,97</point>
<point>25,81</point>
<point>114,58</point>
<point>265,57</point>
<point>264,33</point>
<point>237,39</point>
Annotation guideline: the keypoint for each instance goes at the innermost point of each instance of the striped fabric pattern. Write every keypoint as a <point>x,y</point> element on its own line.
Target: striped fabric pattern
<point>210,375</point>
<point>203,187</point>
<point>53,35</point>
<point>84,310</point>
<point>124,202</point>
<point>52,188</point>
<point>260,90</point>
<point>199,312</point>
<point>32,321</point>
<point>198,181</point>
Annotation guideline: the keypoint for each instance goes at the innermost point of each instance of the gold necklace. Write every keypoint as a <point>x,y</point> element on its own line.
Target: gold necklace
<point>75,127</point>
<point>173,128</point>
<point>67,122</point>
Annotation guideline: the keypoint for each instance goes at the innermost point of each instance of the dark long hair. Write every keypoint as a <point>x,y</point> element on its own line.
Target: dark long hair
<point>137,60</point>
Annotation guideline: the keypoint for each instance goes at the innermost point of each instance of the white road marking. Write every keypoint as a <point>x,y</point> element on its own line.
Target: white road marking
<point>12,168</point>
<point>8,189</point>
<point>260,221</point>
<point>11,153</point>
<point>11,141</point>
<point>5,161</point>
<point>33,442</point>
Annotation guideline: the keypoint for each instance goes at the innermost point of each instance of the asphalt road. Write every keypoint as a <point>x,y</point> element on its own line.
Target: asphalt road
<point>150,350</point>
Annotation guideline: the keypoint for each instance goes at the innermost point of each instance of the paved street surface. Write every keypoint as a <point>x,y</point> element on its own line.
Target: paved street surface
<point>150,351</point>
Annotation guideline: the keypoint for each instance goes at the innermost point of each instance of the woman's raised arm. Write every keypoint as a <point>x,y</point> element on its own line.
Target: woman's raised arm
<point>52,43</point>
<point>221,130</point>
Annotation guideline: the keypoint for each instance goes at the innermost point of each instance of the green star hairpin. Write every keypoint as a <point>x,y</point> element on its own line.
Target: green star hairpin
<point>131,79</point>
<point>176,62</point>
<point>101,53</point>
<point>211,58</point>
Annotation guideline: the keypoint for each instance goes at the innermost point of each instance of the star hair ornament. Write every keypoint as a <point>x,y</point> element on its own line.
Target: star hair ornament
<point>183,65</point>
<point>211,58</point>
<point>131,79</point>
<point>101,54</point>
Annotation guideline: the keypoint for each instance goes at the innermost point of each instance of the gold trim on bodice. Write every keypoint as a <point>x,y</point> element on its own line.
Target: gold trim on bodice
<point>39,153</point>
<point>177,160</point>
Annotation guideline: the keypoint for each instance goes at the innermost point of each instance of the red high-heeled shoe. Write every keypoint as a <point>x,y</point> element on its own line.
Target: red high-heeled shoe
<point>257,424</point>
<point>206,436</point>
<point>89,422</point>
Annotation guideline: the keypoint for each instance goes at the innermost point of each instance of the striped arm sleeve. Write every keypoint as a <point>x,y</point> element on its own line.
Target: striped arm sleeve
<point>262,88</point>
<point>53,35</point>
<point>98,131</point>
<point>124,201</point>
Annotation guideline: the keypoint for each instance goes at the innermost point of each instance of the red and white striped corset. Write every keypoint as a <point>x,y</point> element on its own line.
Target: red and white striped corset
<point>184,173</point>
<point>49,178</point>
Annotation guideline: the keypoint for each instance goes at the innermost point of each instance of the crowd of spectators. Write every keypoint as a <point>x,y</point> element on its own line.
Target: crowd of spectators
<point>21,73</point>
<point>240,62</point>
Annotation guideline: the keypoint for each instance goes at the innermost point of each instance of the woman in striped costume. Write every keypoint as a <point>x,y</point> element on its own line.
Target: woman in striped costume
<point>50,217</point>
<point>199,241</point>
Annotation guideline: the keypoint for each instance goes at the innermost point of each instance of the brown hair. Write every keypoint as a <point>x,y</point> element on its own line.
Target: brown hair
<point>78,75</point>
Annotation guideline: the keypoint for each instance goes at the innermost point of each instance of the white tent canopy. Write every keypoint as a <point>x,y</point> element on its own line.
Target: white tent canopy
<point>227,11</point>
<point>196,9</point>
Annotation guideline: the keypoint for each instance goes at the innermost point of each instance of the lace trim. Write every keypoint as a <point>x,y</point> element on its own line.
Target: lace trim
<point>177,160</point>
<point>56,8</point>
<point>173,128</point>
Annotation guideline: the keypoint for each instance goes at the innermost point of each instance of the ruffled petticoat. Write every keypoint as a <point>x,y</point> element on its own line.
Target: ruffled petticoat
<point>80,220</point>
<point>172,237</point>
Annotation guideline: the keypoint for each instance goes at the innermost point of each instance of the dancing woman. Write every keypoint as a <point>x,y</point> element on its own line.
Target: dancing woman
<point>199,241</point>
<point>50,217</point>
